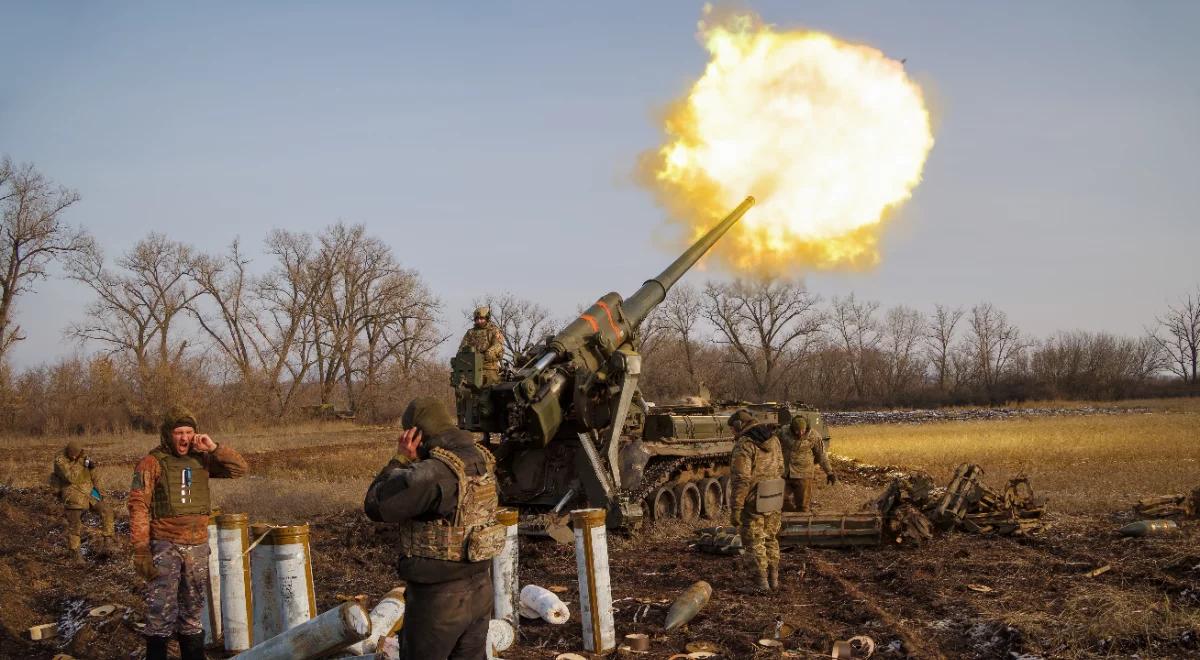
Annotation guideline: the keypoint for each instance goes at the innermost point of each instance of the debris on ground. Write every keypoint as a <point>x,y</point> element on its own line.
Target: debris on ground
<point>1150,528</point>
<point>856,417</point>
<point>1169,506</point>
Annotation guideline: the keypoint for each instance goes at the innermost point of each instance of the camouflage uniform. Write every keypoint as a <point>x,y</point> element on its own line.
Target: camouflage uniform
<point>75,481</point>
<point>803,449</point>
<point>445,505</point>
<point>489,342</point>
<point>756,457</point>
<point>169,507</point>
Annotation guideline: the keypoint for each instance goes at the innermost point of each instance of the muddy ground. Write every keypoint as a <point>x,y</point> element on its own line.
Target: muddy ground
<point>1029,597</point>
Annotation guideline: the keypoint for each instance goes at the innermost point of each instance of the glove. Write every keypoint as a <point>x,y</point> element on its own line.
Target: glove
<point>89,463</point>
<point>143,564</point>
<point>831,479</point>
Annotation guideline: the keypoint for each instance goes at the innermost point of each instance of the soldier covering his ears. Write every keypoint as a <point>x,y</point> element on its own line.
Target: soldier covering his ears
<point>756,497</point>
<point>169,506</point>
<point>441,489</point>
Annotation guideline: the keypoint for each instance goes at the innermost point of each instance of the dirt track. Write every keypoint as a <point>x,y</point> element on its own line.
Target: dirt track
<point>911,601</point>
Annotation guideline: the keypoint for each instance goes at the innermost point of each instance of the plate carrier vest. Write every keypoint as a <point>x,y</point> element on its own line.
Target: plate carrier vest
<point>473,534</point>
<point>182,489</point>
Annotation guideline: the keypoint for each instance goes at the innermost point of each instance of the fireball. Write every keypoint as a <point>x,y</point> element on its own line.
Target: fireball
<point>829,136</point>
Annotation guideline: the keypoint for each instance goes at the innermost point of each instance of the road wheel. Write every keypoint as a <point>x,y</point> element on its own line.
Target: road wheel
<point>662,504</point>
<point>687,499</point>
<point>712,498</point>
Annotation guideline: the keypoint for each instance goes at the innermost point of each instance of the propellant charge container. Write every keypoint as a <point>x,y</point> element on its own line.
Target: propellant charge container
<point>233,537</point>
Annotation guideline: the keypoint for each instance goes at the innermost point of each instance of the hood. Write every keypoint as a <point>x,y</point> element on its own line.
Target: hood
<point>759,433</point>
<point>430,415</point>
<point>177,416</point>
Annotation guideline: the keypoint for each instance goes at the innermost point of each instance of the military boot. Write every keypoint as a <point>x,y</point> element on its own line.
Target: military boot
<point>156,647</point>
<point>74,550</point>
<point>191,647</point>
<point>773,577</point>
<point>756,584</point>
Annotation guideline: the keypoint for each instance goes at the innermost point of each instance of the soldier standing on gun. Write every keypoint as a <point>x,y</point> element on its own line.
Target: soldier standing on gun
<point>441,488</point>
<point>79,491</point>
<point>487,340</point>
<point>756,497</point>
<point>169,507</point>
<point>803,449</point>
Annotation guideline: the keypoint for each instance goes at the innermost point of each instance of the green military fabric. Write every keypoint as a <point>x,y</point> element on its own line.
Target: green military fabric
<point>757,456</point>
<point>74,480</point>
<point>803,449</point>
<point>176,417</point>
<point>429,415</point>
<point>488,341</point>
<point>182,488</point>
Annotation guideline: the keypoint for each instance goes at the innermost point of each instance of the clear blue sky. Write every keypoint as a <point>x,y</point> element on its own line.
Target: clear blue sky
<point>491,145</point>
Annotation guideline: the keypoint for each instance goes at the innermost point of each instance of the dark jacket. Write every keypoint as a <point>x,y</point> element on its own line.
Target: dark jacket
<point>426,490</point>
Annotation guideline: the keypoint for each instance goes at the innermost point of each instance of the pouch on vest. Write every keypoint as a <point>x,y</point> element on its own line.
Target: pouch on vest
<point>486,542</point>
<point>770,496</point>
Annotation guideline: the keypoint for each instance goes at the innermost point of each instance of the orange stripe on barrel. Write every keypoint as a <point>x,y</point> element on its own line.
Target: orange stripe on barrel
<point>608,313</point>
<point>591,321</point>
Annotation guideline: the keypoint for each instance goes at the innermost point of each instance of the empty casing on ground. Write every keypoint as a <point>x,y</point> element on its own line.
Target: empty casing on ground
<point>688,605</point>
<point>595,591</point>
<point>506,599</point>
<point>315,638</point>
<point>540,602</point>
<point>212,590</point>
<point>386,618</point>
<point>293,573</point>
<point>501,636</point>
<point>267,619</point>
<point>233,537</point>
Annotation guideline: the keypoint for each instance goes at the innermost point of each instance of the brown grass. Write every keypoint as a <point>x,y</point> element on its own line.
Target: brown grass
<point>1083,464</point>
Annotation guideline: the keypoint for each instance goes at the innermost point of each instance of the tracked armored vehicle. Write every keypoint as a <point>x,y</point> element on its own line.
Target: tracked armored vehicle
<point>569,428</point>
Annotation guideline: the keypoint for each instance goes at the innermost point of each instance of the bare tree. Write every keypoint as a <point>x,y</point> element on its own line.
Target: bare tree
<point>857,333</point>
<point>769,325</point>
<point>902,328</point>
<point>523,322</point>
<point>32,234</point>
<point>994,344</point>
<point>137,310</point>
<point>230,319</point>
<point>681,314</point>
<point>1178,337</point>
<point>286,330</point>
<point>939,342</point>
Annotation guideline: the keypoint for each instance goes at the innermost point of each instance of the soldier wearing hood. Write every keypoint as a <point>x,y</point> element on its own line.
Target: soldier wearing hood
<point>79,490</point>
<point>487,340</point>
<point>169,506</point>
<point>756,497</point>
<point>440,488</point>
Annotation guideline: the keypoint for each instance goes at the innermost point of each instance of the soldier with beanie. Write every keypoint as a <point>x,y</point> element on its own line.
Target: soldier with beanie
<point>169,506</point>
<point>440,488</point>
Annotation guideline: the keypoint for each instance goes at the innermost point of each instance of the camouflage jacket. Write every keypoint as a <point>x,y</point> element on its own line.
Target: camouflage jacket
<point>488,341</point>
<point>756,456</point>
<point>75,481</point>
<point>426,490</point>
<point>221,463</point>
<point>801,453</point>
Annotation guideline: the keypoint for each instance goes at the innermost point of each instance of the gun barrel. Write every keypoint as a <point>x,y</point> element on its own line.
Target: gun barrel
<point>638,306</point>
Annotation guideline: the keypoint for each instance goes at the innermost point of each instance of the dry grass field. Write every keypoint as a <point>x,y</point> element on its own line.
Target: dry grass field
<point>1091,467</point>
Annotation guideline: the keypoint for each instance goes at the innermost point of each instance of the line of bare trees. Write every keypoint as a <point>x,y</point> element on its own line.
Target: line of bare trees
<point>331,322</point>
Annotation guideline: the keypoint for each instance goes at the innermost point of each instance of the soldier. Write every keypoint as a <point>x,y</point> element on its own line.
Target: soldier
<point>79,491</point>
<point>803,448</point>
<point>487,340</point>
<point>441,488</point>
<point>756,497</point>
<point>169,506</point>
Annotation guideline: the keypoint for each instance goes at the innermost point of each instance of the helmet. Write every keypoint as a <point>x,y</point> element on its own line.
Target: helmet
<point>740,420</point>
<point>483,312</point>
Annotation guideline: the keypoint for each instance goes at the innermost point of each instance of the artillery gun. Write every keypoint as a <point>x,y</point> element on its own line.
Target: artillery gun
<point>568,424</point>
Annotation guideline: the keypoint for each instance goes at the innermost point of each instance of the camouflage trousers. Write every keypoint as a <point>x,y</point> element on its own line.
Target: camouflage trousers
<point>74,520</point>
<point>798,495</point>
<point>175,599</point>
<point>760,541</point>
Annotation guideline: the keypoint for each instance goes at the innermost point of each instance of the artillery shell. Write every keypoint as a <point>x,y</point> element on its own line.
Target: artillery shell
<point>1150,528</point>
<point>688,605</point>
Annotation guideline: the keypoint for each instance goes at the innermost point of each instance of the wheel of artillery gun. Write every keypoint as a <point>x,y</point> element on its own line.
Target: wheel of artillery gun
<point>712,498</point>
<point>662,504</point>
<point>687,499</point>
